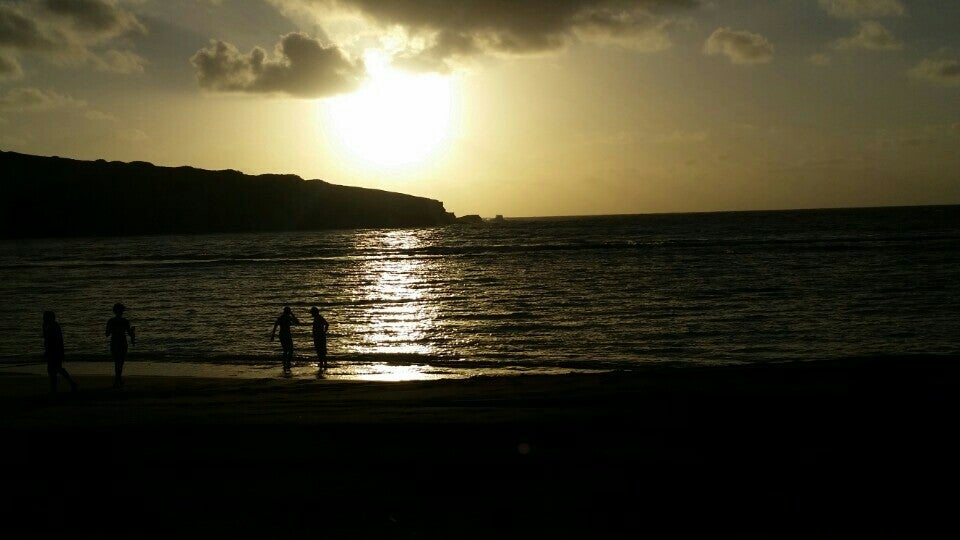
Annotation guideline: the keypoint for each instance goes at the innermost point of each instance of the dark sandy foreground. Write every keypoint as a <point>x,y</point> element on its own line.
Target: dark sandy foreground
<point>839,449</point>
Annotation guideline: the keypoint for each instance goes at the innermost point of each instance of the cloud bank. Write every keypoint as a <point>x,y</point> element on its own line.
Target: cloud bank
<point>9,68</point>
<point>446,31</point>
<point>871,36</point>
<point>35,99</point>
<point>942,71</point>
<point>301,66</point>
<point>69,32</point>
<point>740,46</point>
<point>862,9</point>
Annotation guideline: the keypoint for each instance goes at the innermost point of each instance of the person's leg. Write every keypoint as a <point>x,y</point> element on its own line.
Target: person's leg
<point>118,360</point>
<point>73,384</point>
<point>287,343</point>
<point>52,368</point>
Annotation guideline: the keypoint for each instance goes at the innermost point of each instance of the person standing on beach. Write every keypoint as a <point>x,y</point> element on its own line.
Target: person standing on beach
<point>53,351</point>
<point>320,327</point>
<point>284,322</point>
<point>118,329</point>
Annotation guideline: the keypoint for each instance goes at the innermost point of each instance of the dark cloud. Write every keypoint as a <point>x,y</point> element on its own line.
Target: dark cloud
<point>70,31</point>
<point>100,17</point>
<point>637,28</point>
<point>820,59</point>
<point>871,36</point>
<point>35,99</point>
<point>471,27</point>
<point>740,46</point>
<point>862,9</point>
<point>19,31</point>
<point>444,47</point>
<point>302,67</point>
<point>945,71</point>
<point>118,62</point>
<point>9,68</point>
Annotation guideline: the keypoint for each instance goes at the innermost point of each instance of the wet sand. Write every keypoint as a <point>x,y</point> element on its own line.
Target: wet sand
<point>860,447</point>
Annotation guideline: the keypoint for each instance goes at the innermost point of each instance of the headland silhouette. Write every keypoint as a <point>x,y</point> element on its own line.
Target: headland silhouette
<point>101,198</point>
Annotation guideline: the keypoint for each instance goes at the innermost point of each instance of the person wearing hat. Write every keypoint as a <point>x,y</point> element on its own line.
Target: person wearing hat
<point>320,327</point>
<point>284,322</point>
<point>53,351</point>
<point>118,329</point>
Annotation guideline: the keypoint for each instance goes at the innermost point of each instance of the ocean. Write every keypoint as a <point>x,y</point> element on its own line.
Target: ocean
<point>514,296</point>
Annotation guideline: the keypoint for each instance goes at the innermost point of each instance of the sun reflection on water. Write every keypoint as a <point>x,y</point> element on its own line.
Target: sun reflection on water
<point>400,318</point>
<point>393,373</point>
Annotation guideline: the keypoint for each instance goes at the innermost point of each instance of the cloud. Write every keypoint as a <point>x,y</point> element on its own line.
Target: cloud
<point>862,9</point>
<point>438,54</point>
<point>19,31</point>
<point>820,59</point>
<point>31,99</point>
<point>103,18</point>
<point>442,31</point>
<point>35,99</point>
<point>741,47</point>
<point>918,136</point>
<point>943,71</point>
<point>70,32</point>
<point>302,67</point>
<point>871,36</point>
<point>132,135</point>
<point>9,68</point>
<point>638,29</point>
<point>99,116</point>
<point>119,62</point>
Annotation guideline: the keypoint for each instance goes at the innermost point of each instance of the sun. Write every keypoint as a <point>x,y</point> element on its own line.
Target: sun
<point>396,119</point>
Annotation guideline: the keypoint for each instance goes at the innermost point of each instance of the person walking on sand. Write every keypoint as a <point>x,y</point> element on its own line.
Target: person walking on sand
<point>118,329</point>
<point>53,351</point>
<point>284,322</point>
<point>320,327</point>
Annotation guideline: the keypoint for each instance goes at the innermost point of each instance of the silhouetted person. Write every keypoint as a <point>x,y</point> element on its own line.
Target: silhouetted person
<point>118,329</point>
<point>284,322</point>
<point>320,327</point>
<point>53,351</point>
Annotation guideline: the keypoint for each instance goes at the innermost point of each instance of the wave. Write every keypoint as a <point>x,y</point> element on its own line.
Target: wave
<point>499,363</point>
<point>912,242</point>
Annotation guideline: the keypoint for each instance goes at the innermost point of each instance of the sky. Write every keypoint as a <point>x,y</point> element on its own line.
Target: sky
<point>520,108</point>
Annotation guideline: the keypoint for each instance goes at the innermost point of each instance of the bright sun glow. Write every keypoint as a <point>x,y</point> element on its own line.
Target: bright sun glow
<point>396,119</point>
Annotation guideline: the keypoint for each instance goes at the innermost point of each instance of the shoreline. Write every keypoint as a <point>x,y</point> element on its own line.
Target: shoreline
<point>858,447</point>
<point>161,390</point>
<point>355,369</point>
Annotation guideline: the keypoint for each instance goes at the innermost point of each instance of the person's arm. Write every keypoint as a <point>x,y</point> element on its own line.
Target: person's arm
<point>108,328</point>
<point>324,325</point>
<point>131,333</point>
<point>295,320</point>
<point>273,334</point>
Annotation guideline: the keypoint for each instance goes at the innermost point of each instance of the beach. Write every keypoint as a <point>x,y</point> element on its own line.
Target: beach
<point>855,447</point>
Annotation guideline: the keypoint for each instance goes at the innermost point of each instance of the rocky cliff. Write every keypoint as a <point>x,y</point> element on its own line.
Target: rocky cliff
<point>52,196</point>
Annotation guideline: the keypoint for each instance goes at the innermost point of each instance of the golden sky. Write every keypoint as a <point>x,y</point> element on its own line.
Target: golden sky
<point>521,108</point>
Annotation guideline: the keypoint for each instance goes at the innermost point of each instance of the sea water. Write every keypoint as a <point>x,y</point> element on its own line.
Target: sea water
<point>540,294</point>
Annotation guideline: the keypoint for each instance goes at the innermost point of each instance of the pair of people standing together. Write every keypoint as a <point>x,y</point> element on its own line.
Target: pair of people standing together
<point>320,326</point>
<point>118,329</point>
